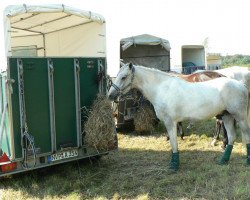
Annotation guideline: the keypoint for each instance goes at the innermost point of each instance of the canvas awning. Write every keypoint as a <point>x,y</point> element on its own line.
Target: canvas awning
<point>55,30</point>
<point>144,39</point>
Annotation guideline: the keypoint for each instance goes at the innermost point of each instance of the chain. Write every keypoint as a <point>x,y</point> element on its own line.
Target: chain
<point>28,141</point>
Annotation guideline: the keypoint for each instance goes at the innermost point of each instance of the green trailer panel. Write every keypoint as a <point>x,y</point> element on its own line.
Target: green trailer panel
<point>13,75</point>
<point>36,92</point>
<point>65,102</point>
<point>36,95</point>
<point>88,81</point>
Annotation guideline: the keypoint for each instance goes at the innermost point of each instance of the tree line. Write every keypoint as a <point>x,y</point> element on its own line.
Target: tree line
<point>238,59</point>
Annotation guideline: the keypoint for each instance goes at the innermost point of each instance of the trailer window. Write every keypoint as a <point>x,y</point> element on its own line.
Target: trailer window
<point>24,51</point>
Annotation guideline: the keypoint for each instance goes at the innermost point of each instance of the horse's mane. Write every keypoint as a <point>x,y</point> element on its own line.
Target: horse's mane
<point>168,74</point>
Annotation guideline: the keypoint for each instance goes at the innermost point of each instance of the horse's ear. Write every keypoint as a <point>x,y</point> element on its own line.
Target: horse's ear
<point>130,66</point>
<point>121,63</point>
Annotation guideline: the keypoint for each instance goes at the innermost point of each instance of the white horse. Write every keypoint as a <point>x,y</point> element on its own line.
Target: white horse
<point>238,73</point>
<point>176,100</point>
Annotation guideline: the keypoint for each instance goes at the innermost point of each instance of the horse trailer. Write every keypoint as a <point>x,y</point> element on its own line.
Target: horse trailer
<point>56,66</point>
<point>193,58</point>
<point>214,61</point>
<point>148,51</point>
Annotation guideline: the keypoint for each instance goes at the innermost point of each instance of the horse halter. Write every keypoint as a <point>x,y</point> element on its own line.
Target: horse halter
<point>120,92</point>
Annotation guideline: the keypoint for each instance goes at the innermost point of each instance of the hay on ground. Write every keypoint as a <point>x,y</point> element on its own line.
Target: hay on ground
<point>99,128</point>
<point>144,119</point>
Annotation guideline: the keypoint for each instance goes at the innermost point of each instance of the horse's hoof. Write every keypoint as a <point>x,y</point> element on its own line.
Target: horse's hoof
<point>173,167</point>
<point>222,162</point>
<point>171,171</point>
<point>214,142</point>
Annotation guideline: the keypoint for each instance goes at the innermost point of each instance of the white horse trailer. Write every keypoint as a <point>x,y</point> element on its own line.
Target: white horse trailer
<point>193,58</point>
<point>214,61</point>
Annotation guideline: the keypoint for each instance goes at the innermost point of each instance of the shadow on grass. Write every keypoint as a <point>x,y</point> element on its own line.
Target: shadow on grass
<point>138,173</point>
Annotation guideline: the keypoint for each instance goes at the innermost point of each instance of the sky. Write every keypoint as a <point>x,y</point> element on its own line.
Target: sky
<point>224,22</point>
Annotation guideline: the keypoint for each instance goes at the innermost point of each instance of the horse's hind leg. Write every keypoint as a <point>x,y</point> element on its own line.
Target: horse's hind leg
<point>217,132</point>
<point>172,133</point>
<point>228,121</point>
<point>180,129</point>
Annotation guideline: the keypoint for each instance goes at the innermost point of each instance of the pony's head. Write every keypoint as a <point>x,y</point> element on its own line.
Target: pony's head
<point>123,81</point>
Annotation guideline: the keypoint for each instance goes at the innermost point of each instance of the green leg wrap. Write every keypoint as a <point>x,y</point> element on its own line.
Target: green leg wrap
<point>226,156</point>
<point>175,162</point>
<point>248,154</point>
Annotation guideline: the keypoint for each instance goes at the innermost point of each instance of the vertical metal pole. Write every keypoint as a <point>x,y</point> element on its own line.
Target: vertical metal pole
<point>21,101</point>
<point>52,105</point>
<point>77,100</point>
<point>101,69</point>
<point>44,46</point>
<point>9,91</point>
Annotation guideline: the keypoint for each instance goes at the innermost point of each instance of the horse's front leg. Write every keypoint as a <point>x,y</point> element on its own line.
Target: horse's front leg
<point>228,121</point>
<point>172,132</point>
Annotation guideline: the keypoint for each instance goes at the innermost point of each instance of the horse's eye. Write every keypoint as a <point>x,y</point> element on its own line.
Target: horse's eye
<point>124,77</point>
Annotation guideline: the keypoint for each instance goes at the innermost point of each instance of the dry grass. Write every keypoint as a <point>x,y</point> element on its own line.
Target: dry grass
<point>144,119</point>
<point>99,128</point>
<point>137,171</point>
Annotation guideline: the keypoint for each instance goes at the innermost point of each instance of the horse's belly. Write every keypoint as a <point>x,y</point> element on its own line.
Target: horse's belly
<point>198,114</point>
<point>198,110</point>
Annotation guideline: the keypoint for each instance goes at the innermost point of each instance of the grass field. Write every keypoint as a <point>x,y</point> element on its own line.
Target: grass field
<point>138,171</point>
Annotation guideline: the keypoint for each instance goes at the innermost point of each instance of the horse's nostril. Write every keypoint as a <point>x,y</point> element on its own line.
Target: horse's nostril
<point>110,96</point>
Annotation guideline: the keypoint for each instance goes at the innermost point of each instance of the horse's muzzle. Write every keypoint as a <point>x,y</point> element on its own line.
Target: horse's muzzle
<point>113,97</point>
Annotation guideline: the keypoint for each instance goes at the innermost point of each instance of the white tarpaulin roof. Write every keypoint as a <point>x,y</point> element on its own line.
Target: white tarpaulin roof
<point>55,30</point>
<point>144,39</point>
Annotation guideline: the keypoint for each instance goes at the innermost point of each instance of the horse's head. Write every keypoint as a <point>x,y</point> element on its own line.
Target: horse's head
<point>123,81</point>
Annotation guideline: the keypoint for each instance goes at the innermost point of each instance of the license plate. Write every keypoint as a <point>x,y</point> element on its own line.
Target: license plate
<point>63,155</point>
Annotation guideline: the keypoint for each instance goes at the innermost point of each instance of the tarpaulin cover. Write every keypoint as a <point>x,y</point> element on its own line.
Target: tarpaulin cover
<point>54,30</point>
<point>144,39</point>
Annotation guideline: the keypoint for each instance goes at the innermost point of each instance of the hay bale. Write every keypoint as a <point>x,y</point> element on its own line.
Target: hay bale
<point>144,119</point>
<point>99,129</point>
